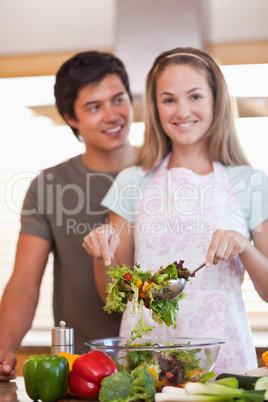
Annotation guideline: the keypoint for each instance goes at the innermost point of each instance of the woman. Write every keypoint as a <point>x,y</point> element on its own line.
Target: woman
<point>193,197</point>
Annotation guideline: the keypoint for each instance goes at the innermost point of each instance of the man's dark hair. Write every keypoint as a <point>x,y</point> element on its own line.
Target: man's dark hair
<point>83,69</point>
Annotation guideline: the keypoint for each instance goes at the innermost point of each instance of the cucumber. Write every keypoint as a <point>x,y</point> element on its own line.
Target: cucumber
<point>262,383</point>
<point>246,382</point>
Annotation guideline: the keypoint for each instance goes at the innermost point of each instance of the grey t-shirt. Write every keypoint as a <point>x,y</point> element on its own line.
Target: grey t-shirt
<point>61,206</point>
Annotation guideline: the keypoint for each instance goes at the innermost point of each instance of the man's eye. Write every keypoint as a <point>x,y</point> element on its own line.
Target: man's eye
<point>119,100</point>
<point>93,108</point>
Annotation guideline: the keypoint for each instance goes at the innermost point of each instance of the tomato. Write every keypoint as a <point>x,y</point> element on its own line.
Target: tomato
<point>127,278</point>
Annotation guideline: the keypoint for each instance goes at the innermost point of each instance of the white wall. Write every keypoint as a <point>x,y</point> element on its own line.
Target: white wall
<point>138,30</point>
<point>237,20</point>
<point>145,28</point>
<point>36,26</point>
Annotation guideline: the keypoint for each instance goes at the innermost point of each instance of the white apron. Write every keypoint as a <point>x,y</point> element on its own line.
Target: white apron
<point>174,221</point>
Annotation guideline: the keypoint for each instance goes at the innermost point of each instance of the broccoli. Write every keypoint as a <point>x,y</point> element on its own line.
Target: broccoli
<point>160,278</point>
<point>165,274</point>
<point>126,387</point>
<point>116,387</point>
<point>143,386</point>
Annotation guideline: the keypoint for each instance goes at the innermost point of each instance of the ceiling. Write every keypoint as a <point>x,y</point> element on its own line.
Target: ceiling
<point>41,34</point>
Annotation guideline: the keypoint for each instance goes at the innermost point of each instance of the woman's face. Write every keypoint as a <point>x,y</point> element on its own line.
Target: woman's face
<point>185,104</point>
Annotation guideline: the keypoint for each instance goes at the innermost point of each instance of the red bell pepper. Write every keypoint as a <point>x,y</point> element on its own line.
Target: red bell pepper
<point>88,372</point>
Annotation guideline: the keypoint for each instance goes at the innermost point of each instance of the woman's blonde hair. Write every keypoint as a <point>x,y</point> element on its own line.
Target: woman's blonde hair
<point>223,143</point>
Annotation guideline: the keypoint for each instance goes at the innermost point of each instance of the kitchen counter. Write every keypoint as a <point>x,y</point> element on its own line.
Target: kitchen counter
<point>14,391</point>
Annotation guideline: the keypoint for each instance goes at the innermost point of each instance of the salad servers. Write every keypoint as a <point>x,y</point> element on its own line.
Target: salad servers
<point>175,288</point>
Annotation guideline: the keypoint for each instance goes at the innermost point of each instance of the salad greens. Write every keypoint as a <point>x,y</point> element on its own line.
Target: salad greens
<point>171,366</point>
<point>135,285</point>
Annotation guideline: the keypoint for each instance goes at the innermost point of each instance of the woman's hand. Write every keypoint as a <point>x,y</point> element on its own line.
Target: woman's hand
<point>224,245</point>
<point>102,243</point>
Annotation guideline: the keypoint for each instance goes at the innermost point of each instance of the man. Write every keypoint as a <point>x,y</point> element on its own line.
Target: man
<point>63,204</point>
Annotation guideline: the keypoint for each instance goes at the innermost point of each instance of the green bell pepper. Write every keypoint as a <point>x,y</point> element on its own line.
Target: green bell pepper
<point>46,377</point>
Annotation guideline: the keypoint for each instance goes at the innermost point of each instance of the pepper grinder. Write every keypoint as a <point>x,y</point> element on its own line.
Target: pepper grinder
<point>62,339</point>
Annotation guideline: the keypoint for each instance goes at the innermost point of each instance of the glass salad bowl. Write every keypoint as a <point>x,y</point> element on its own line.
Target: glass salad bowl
<point>173,361</point>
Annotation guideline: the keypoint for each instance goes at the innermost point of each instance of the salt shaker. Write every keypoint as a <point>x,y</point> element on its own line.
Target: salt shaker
<point>62,339</point>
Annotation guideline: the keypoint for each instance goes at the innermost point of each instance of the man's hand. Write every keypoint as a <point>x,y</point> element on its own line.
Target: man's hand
<point>102,243</point>
<point>8,363</point>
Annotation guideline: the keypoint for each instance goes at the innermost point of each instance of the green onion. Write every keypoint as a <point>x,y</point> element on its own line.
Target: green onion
<point>230,382</point>
<point>208,376</point>
<point>222,390</point>
<point>170,394</point>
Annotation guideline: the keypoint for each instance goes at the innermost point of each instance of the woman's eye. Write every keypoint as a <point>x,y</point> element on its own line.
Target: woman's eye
<point>196,97</point>
<point>168,100</point>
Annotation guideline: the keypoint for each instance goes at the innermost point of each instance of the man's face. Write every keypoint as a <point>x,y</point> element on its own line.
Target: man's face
<point>103,114</point>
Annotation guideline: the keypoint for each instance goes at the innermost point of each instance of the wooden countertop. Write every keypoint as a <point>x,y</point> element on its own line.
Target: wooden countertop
<point>14,391</point>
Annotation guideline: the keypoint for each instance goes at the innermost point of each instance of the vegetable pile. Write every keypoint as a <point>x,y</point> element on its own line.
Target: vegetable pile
<point>142,372</point>
<point>136,285</point>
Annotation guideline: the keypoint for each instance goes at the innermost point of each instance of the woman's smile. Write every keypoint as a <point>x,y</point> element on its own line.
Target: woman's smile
<point>185,125</point>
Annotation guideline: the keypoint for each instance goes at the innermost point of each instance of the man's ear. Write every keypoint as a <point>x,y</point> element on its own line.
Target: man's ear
<point>71,121</point>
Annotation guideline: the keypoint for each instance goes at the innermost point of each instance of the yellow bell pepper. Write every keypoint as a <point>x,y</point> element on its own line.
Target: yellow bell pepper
<point>146,287</point>
<point>71,358</point>
<point>265,358</point>
<point>192,373</point>
<point>152,371</point>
